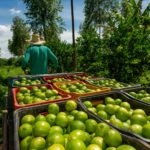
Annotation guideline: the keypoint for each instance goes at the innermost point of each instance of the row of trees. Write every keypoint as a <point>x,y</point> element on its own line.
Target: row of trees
<point>122,50</point>
<point>114,37</point>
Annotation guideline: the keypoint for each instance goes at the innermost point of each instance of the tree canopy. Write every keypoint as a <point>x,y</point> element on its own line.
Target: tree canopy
<point>44,18</point>
<point>20,31</point>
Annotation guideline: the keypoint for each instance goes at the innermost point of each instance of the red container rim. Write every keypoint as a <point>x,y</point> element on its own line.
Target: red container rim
<point>76,95</point>
<point>17,106</point>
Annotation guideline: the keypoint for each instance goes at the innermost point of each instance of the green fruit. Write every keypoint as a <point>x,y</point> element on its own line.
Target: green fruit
<point>92,109</point>
<point>25,130</point>
<point>109,100</point>
<point>55,138</point>
<point>102,114</point>
<point>91,125</point>
<point>110,109</point>
<point>81,115</point>
<point>53,108</point>
<point>118,101</point>
<point>99,141</point>
<point>139,111</point>
<point>125,147</point>
<point>88,104</point>
<point>23,90</point>
<point>122,114</point>
<point>75,144</point>
<point>100,107</point>
<point>138,119</point>
<point>76,124</point>
<point>116,122</point>
<point>25,143</point>
<point>136,128</point>
<point>101,129</point>
<point>70,105</point>
<point>28,119</point>
<point>125,105</point>
<point>50,118</point>
<point>125,126</point>
<point>113,138</point>
<point>146,130</point>
<point>110,148</point>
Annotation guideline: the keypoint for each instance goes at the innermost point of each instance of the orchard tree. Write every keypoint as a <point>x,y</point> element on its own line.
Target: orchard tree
<point>43,16</point>
<point>20,30</point>
<point>126,41</point>
<point>97,13</point>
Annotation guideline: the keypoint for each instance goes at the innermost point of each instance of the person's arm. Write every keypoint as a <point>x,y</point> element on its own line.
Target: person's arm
<point>25,59</point>
<point>53,59</point>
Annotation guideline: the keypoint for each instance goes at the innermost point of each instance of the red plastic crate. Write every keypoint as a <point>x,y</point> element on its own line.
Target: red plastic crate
<point>75,95</point>
<point>17,106</point>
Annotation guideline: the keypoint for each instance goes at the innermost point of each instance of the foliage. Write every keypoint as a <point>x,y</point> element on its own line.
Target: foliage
<point>43,17</point>
<point>128,46</point>
<point>16,61</point>
<point>3,92</point>
<point>64,52</point>
<point>20,31</point>
<point>97,13</point>
<point>89,53</point>
<point>144,79</point>
<point>9,71</point>
<point>3,61</point>
<point>123,50</point>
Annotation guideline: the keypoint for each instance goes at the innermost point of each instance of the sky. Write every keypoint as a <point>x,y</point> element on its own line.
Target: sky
<point>12,8</point>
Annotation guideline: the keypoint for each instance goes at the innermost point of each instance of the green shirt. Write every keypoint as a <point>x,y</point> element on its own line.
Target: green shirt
<point>37,58</point>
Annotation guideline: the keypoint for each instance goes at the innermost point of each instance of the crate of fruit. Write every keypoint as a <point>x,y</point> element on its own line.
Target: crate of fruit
<point>27,81</point>
<point>79,76</point>
<point>141,94</point>
<point>112,83</point>
<point>65,126</point>
<point>52,79</point>
<point>120,111</point>
<point>36,95</point>
<point>79,88</point>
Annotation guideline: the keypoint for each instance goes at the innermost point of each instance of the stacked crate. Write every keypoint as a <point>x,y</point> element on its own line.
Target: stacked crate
<point>54,82</point>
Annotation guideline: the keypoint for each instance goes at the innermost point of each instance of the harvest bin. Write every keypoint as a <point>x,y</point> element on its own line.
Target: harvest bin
<point>98,82</point>
<point>76,94</point>
<point>79,76</point>
<point>50,79</point>
<point>28,78</point>
<point>100,98</point>
<point>17,105</point>
<point>18,114</point>
<point>127,92</point>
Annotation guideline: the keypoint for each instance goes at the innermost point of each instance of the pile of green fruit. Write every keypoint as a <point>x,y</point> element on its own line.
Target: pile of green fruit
<point>71,129</point>
<point>112,83</point>
<point>58,80</point>
<point>77,87</point>
<point>36,94</point>
<point>25,82</point>
<point>120,114</point>
<point>141,95</point>
<point>82,77</point>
